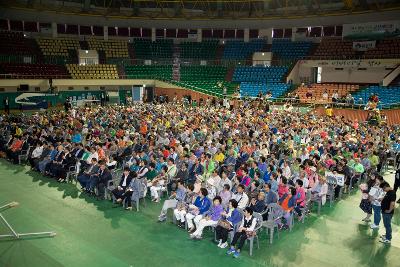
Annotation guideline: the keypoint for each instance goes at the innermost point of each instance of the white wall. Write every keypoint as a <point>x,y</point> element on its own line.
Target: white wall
<point>375,70</point>
<point>260,58</point>
<point>350,75</point>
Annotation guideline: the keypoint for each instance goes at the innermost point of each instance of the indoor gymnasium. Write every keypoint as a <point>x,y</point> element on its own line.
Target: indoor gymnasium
<point>199,133</point>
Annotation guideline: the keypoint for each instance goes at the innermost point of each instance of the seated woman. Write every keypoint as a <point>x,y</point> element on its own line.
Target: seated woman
<point>287,202</point>
<point>183,206</point>
<point>232,217</point>
<point>226,195</point>
<point>198,209</point>
<point>245,230</point>
<point>300,198</point>
<point>210,218</point>
<point>283,187</point>
<point>246,180</point>
<point>158,184</point>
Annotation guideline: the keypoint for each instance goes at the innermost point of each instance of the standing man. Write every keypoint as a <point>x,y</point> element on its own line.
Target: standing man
<point>6,103</point>
<point>103,99</point>
<point>397,175</point>
<point>387,206</point>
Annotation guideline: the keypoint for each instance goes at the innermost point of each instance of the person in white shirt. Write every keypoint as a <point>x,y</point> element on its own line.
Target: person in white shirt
<point>286,170</point>
<point>141,173</point>
<point>319,190</point>
<point>325,96</point>
<point>376,195</point>
<point>246,228</point>
<point>93,154</point>
<point>241,197</point>
<point>36,153</point>
<point>215,179</point>
<point>223,181</point>
<point>171,172</point>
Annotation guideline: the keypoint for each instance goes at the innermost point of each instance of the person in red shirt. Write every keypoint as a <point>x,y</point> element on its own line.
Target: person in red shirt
<point>14,149</point>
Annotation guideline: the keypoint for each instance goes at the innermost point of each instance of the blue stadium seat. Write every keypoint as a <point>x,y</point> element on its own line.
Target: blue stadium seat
<point>286,49</point>
<point>253,88</point>
<point>242,50</point>
<point>387,95</point>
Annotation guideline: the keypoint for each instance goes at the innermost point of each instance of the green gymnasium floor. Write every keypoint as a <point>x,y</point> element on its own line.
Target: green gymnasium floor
<point>93,233</point>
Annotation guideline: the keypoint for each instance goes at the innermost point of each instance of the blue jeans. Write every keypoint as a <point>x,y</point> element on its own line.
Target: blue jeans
<point>387,220</point>
<point>84,180</point>
<point>377,214</point>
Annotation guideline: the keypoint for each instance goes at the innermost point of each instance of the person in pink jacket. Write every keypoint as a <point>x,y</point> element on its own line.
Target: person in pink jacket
<point>300,198</point>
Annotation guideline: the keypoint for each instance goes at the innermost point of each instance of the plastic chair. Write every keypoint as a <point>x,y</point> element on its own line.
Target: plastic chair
<point>259,224</point>
<point>275,213</point>
<point>24,155</point>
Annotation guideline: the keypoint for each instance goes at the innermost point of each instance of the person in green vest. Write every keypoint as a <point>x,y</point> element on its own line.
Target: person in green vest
<point>208,165</point>
<point>358,168</point>
<point>253,169</point>
<point>347,153</point>
<point>152,173</point>
<point>374,159</point>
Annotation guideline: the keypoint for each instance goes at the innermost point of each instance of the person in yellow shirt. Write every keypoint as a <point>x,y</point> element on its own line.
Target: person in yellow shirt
<point>329,111</point>
<point>219,156</point>
<point>18,131</point>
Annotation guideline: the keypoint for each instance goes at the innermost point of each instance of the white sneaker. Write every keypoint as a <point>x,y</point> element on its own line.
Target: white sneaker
<point>373,226</point>
<point>384,241</point>
<point>219,243</point>
<point>224,245</point>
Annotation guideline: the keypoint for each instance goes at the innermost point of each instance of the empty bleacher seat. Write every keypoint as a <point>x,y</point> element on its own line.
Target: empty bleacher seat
<point>34,71</point>
<point>242,50</point>
<point>146,49</point>
<point>163,72</point>
<point>14,43</point>
<point>286,49</point>
<point>202,50</point>
<point>57,46</point>
<point>271,74</point>
<point>98,71</point>
<point>333,47</point>
<point>111,48</point>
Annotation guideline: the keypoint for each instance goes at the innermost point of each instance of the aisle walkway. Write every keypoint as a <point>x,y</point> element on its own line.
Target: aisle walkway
<point>93,233</point>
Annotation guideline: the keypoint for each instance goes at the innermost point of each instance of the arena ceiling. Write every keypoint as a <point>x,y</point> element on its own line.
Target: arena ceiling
<point>211,9</point>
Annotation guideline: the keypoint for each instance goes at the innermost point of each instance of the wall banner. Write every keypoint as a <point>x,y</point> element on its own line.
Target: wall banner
<point>364,45</point>
<point>371,28</point>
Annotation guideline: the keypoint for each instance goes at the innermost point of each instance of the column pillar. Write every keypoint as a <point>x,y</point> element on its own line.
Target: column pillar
<point>54,30</point>
<point>105,32</point>
<point>294,30</point>
<point>153,34</point>
<point>246,35</point>
<point>199,35</point>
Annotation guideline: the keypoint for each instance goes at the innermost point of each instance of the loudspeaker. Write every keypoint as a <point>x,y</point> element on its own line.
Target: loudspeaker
<point>149,91</point>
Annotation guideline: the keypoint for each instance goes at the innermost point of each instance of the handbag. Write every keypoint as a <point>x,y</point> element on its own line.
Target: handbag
<point>181,205</point>
<point>224,224</point>
<point>250,234</point>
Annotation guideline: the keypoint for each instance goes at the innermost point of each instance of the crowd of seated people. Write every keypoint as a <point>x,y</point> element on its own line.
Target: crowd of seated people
<point>216,166</point>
